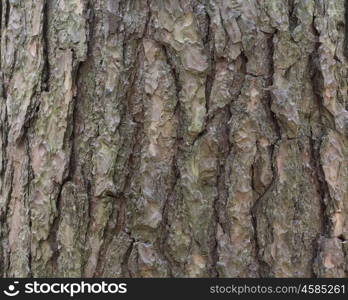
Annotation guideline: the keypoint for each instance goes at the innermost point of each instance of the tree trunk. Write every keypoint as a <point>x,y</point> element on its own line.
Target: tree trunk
<point>152,138</point>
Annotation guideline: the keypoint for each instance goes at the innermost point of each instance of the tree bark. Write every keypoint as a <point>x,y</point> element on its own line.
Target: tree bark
<point>167,138</point>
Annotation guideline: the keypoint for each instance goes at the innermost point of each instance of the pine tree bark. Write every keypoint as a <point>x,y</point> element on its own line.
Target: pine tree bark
<point>152,138</point>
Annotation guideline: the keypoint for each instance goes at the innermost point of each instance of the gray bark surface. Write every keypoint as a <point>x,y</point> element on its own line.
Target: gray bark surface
<point>167,138</point>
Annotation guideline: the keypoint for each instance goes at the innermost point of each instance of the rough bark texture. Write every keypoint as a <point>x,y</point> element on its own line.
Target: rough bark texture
<point>158,138</point>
